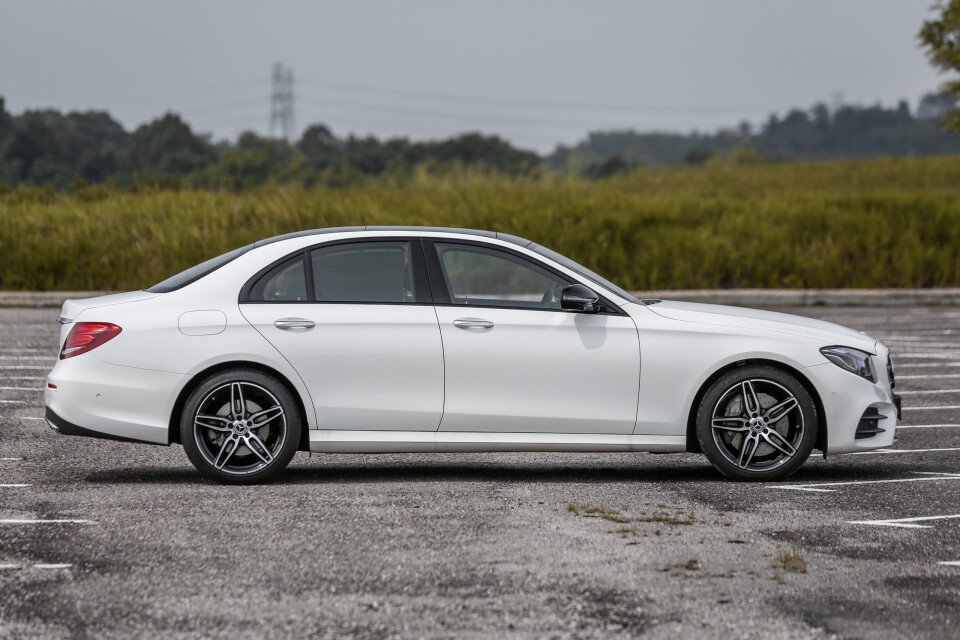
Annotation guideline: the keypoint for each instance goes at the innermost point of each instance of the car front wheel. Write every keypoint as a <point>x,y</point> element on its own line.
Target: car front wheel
<point>240,426</point>
<point>757,423</point>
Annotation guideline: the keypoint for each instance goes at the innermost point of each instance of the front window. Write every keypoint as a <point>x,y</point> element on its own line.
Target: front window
<point>581,270</point>
<point>487,277</point>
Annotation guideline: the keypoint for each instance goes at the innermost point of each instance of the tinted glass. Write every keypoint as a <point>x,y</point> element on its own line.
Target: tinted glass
<point>583,271</point>
<point>481,276</point>
<point>375,272</point>
<point>284,283</point>
<point>196,272</point>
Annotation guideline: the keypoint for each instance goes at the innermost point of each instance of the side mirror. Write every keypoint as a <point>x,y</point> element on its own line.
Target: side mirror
<point>577,297</point>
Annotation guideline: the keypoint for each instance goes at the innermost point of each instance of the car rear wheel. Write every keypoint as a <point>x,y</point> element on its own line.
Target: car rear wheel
<point>757,423</point>
<point>240,426</point>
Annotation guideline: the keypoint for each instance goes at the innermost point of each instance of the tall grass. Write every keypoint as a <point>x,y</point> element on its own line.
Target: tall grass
<point>874,223</point>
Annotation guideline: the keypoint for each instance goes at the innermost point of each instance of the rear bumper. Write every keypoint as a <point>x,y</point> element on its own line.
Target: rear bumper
<point>87,397</point>
<point>66,428</point>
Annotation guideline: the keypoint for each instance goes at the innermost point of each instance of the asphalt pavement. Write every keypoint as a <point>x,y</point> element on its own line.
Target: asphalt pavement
<point>102,539</point>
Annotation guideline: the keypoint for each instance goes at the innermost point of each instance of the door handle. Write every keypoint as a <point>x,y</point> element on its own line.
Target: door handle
<point>472,323</point>
<point>294,324</point>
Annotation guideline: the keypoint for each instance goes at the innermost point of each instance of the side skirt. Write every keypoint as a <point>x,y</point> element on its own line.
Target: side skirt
<point>329,441</point>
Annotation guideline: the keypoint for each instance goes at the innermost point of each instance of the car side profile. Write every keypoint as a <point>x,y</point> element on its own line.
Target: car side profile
<point>419,339</point>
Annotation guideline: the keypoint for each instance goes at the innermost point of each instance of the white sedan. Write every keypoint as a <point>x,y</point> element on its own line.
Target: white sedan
<point>418,339</point>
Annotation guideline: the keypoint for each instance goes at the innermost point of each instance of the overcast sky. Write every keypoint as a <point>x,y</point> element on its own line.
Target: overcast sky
<point>537,73</point>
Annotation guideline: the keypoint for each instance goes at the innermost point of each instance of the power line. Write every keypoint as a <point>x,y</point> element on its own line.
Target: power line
<point>526,103</point>
<point>530,120</point>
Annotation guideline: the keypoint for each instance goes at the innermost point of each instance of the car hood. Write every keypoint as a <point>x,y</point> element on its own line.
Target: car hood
<point>716,314</point>
<point>72,308</point>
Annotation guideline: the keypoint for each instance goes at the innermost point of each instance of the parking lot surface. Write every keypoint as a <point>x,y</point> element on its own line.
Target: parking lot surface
<point>102,539</point>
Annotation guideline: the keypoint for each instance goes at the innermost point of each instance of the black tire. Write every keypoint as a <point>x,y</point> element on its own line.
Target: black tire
<point>240,426</point>
<point>749,429</point>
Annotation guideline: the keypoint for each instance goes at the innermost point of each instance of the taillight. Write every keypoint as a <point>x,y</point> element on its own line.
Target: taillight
<point>86,336</point>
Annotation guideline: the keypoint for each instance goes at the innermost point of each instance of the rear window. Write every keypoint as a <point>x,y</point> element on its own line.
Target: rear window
<point>196,272</point>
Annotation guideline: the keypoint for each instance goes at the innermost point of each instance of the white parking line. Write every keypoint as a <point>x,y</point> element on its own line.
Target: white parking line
<point>30,366</point>
<point>903,393</point>
<point>9,566</point>
<point>913,345</point>
<point>882,451</point>
<point>918,377</point>
<point>28,357</point>
<point>947,406</point>
<point>950,563</point>
<point>31,521</point>
<point>910,364</point>
<point>10,459</point>
<point>30,418</point>
<point>13,401</point>
<point>926,426</point>
<point>929,477</point>
<point>904,523</point>
<point>14,486</point>
<point>21,389</point>
<point>52,566</point>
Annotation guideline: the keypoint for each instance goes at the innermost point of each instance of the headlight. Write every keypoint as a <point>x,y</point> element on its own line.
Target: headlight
<point>853,360</point>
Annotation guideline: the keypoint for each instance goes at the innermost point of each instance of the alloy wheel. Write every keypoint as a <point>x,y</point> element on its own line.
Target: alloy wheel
<point>239,428</point>
<point>757,425</point>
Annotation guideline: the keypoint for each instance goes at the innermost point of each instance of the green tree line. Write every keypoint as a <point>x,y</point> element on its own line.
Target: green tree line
<point>818,133</point>
<point>52,149</point>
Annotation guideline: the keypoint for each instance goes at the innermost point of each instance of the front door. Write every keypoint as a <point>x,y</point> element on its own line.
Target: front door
<point>356,322</point>
<point>516,362</point>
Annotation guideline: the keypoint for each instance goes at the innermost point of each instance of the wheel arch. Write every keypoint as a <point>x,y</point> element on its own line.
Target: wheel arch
<point>693,445</point>
<point>173,432</point>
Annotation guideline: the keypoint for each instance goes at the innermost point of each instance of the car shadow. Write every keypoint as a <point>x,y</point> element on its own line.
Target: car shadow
<point>385,472</point>
<point>674,472</point>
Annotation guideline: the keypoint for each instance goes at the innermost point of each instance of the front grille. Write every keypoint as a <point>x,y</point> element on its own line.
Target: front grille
<point>890,371</point>
<point>869,424</point>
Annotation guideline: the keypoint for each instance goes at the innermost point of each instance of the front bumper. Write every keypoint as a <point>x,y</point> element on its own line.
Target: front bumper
<point>848,400</point>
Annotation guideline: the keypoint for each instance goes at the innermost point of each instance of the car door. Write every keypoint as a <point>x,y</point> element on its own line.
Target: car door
<point>516,362</point>
<point>356,320</point>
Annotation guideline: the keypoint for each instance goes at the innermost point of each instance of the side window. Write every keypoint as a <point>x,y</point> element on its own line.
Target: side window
<point>284,283</point>
<point>484,276</point>
<point>374,272</point>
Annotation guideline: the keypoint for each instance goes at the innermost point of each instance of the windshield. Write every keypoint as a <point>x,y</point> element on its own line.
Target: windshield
<point>196,272</point>
<point>583,271</point>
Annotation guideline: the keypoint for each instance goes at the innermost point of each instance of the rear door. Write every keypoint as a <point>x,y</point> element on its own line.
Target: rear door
<point>356,320</point>
<point>516,362</point>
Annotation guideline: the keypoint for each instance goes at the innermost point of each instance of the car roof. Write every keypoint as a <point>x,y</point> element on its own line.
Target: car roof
<point>522,242</point>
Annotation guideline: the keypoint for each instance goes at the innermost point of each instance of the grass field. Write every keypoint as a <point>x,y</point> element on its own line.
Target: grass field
<point>870,223</point>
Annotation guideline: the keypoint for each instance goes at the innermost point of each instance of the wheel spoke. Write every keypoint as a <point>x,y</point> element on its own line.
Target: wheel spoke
<point>263,417</point>
<point>778,411</point>
<point>750,397</point>
<point>750,444</point>
<point>237,405</point>
<point>257,446</point>
<point>216,423</point>
<point>230,445</point>
<point>723,423</point>
<point>778,442</point>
